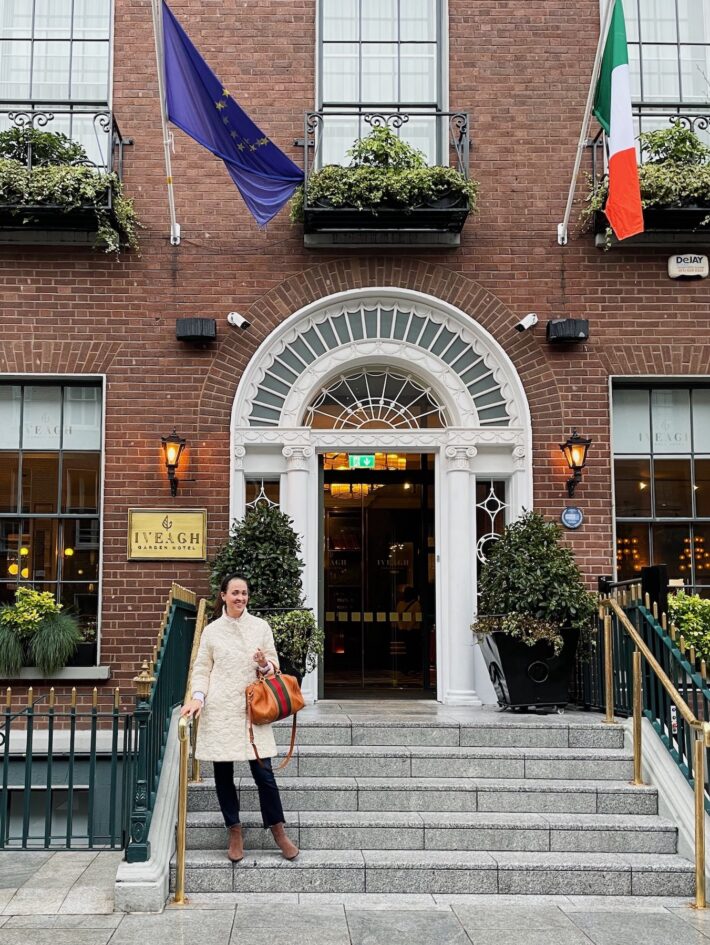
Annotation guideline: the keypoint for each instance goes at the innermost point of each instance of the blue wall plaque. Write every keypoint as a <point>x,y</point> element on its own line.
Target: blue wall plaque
<point>571,516</point>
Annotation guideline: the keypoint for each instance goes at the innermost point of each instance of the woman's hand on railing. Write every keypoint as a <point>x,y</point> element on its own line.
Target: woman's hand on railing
<point>191,709</point>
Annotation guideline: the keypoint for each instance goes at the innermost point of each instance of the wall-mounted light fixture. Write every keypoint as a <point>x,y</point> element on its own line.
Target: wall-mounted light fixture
<point>575,451</point>
<point>173,446</point>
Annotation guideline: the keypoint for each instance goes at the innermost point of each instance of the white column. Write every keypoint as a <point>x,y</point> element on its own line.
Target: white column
<point>457,578</point>
<point>297,503</point>
<point>238,496</point>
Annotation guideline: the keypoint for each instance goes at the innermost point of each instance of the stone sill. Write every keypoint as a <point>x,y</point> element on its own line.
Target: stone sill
<point>68,674</point>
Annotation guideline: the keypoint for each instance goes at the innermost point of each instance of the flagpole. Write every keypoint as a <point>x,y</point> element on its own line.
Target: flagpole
<point>167,135</point>
<point>604,32</point>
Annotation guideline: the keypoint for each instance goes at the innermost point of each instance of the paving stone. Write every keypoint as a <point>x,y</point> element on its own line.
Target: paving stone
<point>305,926</point>
<point>494,916</point>
<point>405,927</point>
<point>627,799</point>
<point>64,921</point>
<point>176,926</point>
<point>482,831</point>
<point>10,936</point>
<point>635,928</point>
<point>570,936</point>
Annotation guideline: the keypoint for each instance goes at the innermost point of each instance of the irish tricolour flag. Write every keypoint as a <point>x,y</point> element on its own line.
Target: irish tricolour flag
<point>612,108</point>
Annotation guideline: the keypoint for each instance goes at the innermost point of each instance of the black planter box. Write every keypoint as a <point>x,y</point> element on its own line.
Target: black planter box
<point>50,225</point>
<point>529,676</point>
<point>439,224</point>
<point>85,655</point>
<point>667,226</point>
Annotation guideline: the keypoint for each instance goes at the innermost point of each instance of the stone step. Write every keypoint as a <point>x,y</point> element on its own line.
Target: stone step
<point>442,872</point>
<point>349,761</point>
<point>443,794</point>
<point>361,830</point>
<point>500,732</point>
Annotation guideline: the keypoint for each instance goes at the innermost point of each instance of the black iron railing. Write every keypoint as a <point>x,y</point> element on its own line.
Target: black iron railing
<point>90,124</point>
<point>66,773</point>
<point>651,118</point>
<point>448,132</point>
<point>86,777</point>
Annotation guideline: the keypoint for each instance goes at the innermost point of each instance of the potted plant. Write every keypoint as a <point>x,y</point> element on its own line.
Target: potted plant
<point>34,631</point>
<point>264,547</point>
<point>533,607</point>
<point>388,182</point>
<point>60,182</point>
<point>674,179</point>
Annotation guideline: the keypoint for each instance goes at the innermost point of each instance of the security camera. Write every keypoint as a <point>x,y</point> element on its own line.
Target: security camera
<point>237,320</point>
<point>527,322</point>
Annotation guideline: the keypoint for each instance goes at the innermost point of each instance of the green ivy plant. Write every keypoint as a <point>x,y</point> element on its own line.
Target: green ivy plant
<point>531,587</point>
<point>264,547</point>
<point>61,175</point>
<point>675,173</point>
<point>691,615</point>
<point>384,172</point>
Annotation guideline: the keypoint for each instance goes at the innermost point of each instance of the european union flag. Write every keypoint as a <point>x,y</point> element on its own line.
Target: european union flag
<point>199,103</point>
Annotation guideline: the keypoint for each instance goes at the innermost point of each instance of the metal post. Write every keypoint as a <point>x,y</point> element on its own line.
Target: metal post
<point>603,33</point>
<point>138,849</point>
<point>699,776</point>
<point>608,671</point>
<point>167,135</point>
<point>183,736</point>
<point>638,708</point>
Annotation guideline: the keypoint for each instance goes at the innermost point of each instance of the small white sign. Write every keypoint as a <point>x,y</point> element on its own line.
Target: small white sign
<point>688,265</point>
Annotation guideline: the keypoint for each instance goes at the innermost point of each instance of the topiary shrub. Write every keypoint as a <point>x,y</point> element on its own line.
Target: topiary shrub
<point>531,588</point>
<point>264,547</point>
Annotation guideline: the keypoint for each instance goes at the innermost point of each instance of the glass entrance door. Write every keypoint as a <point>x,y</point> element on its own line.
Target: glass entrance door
<point>379,575</point>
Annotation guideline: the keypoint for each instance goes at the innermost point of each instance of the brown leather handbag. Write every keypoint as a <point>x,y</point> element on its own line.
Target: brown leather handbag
<point>270,698</point>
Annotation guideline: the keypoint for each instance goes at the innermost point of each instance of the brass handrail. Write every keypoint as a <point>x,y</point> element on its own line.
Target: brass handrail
<point>187,736</point>
<point>700,728</point>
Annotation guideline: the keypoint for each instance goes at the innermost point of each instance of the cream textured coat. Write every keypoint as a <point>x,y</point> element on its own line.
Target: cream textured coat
<point>223,669</point>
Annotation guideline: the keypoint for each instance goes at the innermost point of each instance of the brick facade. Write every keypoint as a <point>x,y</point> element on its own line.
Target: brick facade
<point>521,70</point>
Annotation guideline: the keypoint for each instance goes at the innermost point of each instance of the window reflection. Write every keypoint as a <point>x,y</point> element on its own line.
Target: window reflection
<point>671,478</point>
<point>9,473</point>
<point>702,488</point>
<point>671,546</point>
<point>632,487</point>
<point>632,551</point>
<point>40,478</point>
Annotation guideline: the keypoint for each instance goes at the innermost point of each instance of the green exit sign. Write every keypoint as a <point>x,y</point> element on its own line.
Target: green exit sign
<point>366,461</point>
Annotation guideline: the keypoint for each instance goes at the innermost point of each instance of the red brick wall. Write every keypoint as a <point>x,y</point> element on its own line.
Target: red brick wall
<point>521,70</point>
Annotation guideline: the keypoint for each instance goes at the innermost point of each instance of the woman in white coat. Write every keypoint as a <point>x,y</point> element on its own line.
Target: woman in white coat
<point>233,648</point>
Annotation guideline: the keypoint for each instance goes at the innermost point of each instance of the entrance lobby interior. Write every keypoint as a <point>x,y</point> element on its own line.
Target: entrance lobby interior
<point>378,587</point>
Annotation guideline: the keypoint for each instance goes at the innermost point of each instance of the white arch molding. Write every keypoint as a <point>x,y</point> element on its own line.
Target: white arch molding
<point>488,436</point>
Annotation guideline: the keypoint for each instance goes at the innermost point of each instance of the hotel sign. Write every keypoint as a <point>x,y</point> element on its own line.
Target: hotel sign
<point>167,534</point>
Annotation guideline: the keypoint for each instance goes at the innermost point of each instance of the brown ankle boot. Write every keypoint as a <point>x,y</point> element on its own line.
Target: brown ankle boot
<point>235,851</point>
<point>288,849</point>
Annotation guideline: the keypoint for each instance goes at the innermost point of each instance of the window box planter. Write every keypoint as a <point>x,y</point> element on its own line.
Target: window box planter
<point>529,676</point>
<point>671,227</point>
<point>436,224</point>
<point>51,225</point>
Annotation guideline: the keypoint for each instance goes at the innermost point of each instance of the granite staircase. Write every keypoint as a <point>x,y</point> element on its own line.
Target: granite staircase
<point>407,798</point>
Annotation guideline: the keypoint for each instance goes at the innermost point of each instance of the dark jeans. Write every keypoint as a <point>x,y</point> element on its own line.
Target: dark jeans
<point>269,797</point>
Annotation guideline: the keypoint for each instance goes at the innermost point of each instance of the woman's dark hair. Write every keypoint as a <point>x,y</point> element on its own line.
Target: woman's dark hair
<point>219,603</point>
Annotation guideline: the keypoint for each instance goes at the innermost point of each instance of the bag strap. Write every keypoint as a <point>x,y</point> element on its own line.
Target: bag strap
<point>253,743</point>
<point>290,749</point>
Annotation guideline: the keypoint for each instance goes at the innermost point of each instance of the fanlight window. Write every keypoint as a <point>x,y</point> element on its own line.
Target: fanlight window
<point>375,400</point>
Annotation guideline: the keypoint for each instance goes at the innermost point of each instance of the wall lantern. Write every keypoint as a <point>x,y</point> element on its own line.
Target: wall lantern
<point>575,451</point>
<point>173,446</point>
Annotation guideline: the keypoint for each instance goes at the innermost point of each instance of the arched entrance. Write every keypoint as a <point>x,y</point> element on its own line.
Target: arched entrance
<point>378,373</point>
